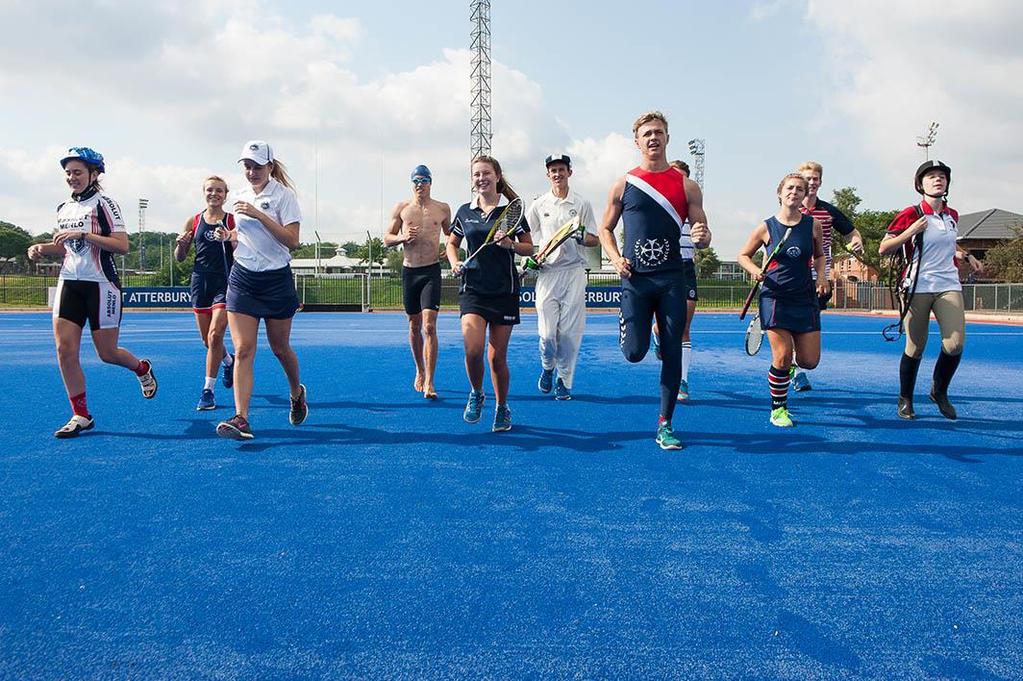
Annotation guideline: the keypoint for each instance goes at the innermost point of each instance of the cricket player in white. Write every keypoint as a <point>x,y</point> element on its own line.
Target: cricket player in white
<point>561,281</point>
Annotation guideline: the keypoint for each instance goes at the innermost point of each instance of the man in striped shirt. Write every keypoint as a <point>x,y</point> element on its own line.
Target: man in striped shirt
<point>831,218</point>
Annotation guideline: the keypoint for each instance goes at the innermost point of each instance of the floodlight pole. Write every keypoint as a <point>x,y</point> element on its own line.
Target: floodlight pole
<point>927,141</point>
<point>697,147</point>
<point>143,203</point>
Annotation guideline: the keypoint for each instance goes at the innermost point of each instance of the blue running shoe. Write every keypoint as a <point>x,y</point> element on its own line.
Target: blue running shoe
<point>800,383</point>
<point>206,401</point>
<point>502,419</point>
<point>561,391</point>
<point>227,374</point>
<point>474,407</point>
<point>666,436</point>
<point>546,381</point>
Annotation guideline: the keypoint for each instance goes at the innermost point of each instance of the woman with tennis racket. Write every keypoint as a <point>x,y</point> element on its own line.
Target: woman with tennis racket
<point>789,310</point>
<point>489,293</point>
<point>208,283</point>
<point>926,233</point>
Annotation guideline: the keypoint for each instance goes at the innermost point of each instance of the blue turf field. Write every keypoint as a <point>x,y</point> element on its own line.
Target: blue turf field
<point>386,538</point>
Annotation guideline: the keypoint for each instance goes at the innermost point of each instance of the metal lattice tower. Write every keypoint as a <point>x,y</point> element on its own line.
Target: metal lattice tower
<point>481,129</point>
<point>697,147</point>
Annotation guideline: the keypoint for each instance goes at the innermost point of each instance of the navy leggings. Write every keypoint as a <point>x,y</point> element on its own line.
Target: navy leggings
<point>661,295</point>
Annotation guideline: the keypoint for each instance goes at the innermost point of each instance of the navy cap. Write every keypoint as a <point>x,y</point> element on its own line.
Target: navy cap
<point>421,171</point>
<point>557,158</point>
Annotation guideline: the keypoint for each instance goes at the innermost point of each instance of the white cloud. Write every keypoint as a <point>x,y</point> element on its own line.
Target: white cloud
<point>899,66</point>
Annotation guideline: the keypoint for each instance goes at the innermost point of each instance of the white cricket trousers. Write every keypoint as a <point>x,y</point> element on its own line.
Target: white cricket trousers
<point>561,318</point>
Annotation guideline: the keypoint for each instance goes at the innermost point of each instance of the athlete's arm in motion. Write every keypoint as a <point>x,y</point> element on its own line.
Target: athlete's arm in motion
<point>393,235</point>
<point>587,219</point>
<point>612,214</point>
<point>521,245</point>
<point>892,242</point>
<point>183,241</point>
<point>699,232</point>
<point>819,261</point>
<point>445,222</point>
<point>451,251</point>
<point>757,240</point>
<point>287,234</point>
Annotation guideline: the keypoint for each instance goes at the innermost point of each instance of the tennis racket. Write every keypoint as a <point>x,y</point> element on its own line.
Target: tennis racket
<point>756,285</point>
<point>754,336</point>
<point>509,222</point>
<point>563,234</point>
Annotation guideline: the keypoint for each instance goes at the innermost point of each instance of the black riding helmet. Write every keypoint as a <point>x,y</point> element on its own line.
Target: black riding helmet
<point>928,166</point>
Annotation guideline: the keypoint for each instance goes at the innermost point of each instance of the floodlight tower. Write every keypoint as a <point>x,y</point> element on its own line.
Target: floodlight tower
<point>481,130</point>
<point>696,148</point>
<point>927,141</point>
<point>143,203</point>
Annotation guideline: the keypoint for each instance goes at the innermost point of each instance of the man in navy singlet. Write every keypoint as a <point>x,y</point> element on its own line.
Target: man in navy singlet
<point>653,201</point>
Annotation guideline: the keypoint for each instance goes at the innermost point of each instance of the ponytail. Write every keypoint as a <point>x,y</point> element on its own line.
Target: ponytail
<point>280,173</point>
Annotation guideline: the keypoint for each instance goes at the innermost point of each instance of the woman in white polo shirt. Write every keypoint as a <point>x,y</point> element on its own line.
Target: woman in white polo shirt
<point>927,234</point>
<point>261,285</point>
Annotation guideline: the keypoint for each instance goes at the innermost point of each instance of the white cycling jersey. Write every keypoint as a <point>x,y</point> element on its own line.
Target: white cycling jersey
<point>92,212</point>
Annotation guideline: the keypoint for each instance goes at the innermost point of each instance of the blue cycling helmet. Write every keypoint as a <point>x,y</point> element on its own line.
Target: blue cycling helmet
<point>86,156</point>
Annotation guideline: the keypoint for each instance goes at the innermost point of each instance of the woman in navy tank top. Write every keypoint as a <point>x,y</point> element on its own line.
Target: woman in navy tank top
<point>789,311</point>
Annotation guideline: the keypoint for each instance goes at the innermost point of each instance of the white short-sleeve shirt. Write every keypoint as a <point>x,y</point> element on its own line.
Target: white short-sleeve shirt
<point>84,260</point>
<point>258,250</point>
<point>547,213</point>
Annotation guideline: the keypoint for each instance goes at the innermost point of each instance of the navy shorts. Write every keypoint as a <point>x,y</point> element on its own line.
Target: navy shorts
<point>502,310</point>
<point>420,288</point>
<point>689,277</point>
<point>209,291</point>
<point>794,315</point>
<point>264,295</point>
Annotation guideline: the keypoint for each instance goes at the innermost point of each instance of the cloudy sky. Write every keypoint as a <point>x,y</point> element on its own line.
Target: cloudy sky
<point>353,95</point>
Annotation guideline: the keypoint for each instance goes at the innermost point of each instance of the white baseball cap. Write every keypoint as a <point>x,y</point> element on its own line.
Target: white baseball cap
<point>257,151</point>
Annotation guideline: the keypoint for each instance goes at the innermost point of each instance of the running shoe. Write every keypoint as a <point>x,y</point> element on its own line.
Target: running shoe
<point>683,391</point>
<point>906,408</point>
<point>474,407</point>
<point>800,383</point>
<point>206,401</point>
<point>227,374</point>
<point>944,406</point>
<point>780,417</point>
<point>666,438</point>
<point>299,407</point>
<point>148,381</point>
<point>502,419</point>
<point>561,391</point>
<point>655,345</point>
<point>546,380</point>
<point>74,427</point>
<point>235,428</point>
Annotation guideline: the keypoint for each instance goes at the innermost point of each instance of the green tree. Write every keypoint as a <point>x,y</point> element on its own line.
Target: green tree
<point>14,241</point>
<point>871,224</point>
<point>1004,262</point>
<point>707,263</point>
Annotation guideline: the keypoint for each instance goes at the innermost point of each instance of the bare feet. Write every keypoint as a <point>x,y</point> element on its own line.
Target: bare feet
<point>417,384</point>
<point>429,393</point>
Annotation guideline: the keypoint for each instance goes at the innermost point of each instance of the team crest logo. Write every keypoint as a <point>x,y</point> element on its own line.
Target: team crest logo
<point>264,205</point>
<point>573,212</point>
<point>793,251</point>
<point>77,244</point>
<point>210,235</point>
<point>652,252</point>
